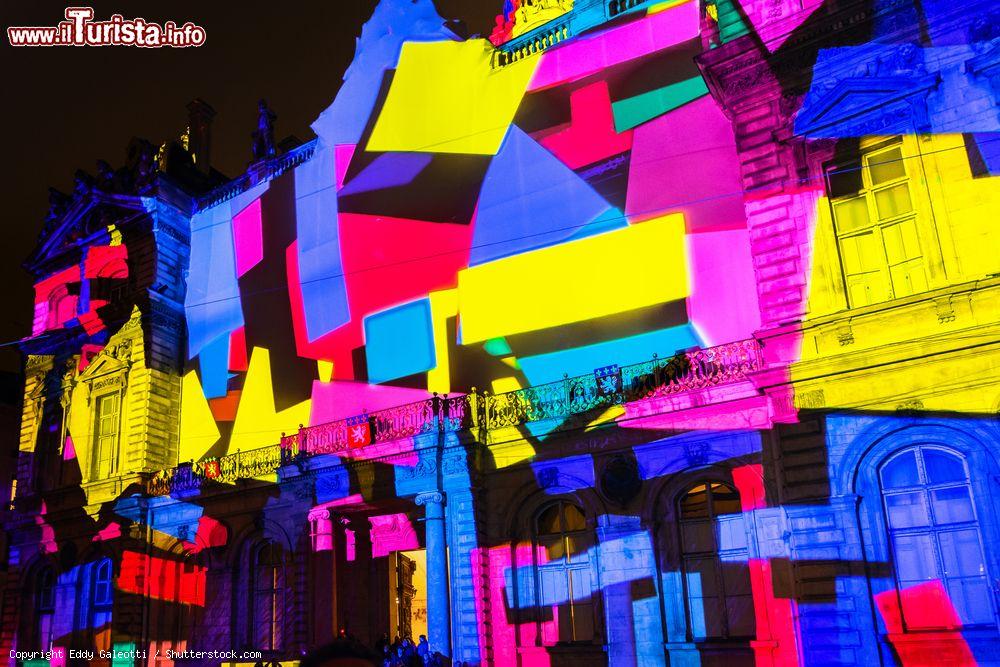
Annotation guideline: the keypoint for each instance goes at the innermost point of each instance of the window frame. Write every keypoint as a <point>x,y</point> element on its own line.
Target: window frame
<point>925,487</point>
<point>45,581</point>
<point>102,607</point>
<point>96,472</point>
<point>716,555</point>
<point>876,226</point>
<point>566,568</point>
<point>276,634</point>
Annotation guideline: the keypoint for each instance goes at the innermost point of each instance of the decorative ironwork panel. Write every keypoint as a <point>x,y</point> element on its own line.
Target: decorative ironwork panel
<point>580,396</point>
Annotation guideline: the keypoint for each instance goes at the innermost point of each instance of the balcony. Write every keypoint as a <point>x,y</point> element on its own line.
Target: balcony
<point>479,413</point>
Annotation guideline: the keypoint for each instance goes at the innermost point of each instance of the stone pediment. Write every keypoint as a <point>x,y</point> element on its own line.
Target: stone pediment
<point>859,106</point>
<point>84,218</point>
<point>96,202</point>
<point>116,356</point>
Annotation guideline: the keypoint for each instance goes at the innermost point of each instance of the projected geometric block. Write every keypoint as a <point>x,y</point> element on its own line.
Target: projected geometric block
<point>442,102</point>
<point>400,342</point>
<point>574,281</point>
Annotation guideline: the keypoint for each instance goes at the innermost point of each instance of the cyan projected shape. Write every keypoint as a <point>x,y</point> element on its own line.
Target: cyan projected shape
<point>400,342</point>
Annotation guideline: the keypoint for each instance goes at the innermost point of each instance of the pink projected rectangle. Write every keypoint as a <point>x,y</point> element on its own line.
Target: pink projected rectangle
<point>925,606</point>
<point>248,238</point>
<point>589,54</point>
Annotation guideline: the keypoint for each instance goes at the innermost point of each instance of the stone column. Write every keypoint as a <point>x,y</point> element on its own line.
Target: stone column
<point>323,576</point>
<point>438,603</point>
<point>363,599</point>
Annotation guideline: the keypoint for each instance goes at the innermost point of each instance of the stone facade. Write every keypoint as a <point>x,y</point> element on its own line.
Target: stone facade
<point>750,502</point>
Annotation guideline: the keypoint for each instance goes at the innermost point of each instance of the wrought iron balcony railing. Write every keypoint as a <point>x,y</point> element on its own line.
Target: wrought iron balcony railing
<point>480,412</point>
<point>189,477</point>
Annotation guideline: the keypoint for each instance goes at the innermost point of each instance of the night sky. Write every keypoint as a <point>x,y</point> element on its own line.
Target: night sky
<point>64,108</point>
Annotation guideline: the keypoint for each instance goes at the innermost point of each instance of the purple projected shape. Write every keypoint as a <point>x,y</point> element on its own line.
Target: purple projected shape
<point>685,161</point>
<point>530,200</point>
<point>212,304</point>
<point>389,170</point>
<point>321,271</point>
<point>382,37</point>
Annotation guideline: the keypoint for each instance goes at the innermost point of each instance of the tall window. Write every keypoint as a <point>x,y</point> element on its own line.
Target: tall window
<point>267,592</point>
<point>106,423</point>
<point>876,227</point>
<point>45,609</point>
<point>101,603</point>
<point>562,552</point>
<point>934,533</point>
<point>714,558</point>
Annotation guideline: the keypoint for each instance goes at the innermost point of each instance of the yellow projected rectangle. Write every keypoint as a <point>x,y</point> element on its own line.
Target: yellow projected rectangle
<point>446,98</point>
<point>630,268</point>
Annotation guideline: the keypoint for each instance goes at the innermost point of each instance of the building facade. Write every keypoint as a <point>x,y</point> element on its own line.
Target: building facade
<point>641,333</point>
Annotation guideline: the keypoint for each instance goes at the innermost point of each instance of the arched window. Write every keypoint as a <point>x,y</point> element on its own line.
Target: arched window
<point>267,595</point>
<point>102,603</point>
<point>714,562</point>
<point>62,307</point>
<point>562,563</point>
<point>45,609</point>
<point>935,538</point>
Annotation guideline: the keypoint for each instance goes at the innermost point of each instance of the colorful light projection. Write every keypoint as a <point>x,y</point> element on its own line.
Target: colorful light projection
<point>522,206</point>
<point>586,211</point>
<point>73,296</point>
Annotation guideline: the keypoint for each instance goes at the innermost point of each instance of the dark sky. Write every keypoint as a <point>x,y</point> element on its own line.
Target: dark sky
<point>64,108</point>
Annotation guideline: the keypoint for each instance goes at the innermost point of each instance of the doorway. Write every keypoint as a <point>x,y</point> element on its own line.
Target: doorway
<point>408,590</point>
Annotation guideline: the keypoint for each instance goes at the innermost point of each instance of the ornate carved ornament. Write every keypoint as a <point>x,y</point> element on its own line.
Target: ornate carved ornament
<point>431,497</point>
<point>885,92</point>
<point>987,63</point>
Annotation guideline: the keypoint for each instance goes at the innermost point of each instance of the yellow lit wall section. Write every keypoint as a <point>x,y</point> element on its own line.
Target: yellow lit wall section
<point>446,98</point>
<point>444,304</point>
<point>912,334</point>
<point>258,424</point>
<point>198,429</point>
<point>575,281</point>
<point>517,449</point>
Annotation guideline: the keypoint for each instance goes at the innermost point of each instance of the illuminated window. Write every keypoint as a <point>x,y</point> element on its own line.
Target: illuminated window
<point>45,609</point>
<point>101,603</point>
<point>562,564</point>
<point>267,592</point>
<point>106,424</point>
<point>934,533</point>
<point>876,227</point>
<point>713,547</point>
